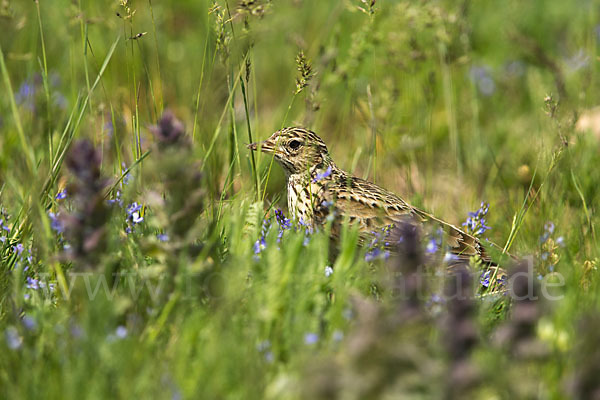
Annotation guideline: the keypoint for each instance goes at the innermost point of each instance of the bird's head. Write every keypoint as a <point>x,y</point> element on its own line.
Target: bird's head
<point>297,150</point>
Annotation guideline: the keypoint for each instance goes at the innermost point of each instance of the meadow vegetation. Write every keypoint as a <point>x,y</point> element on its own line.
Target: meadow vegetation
<point>146,253</point>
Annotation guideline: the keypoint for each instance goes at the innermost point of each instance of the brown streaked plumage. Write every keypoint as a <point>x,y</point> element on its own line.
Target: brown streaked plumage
<point>317,187</point>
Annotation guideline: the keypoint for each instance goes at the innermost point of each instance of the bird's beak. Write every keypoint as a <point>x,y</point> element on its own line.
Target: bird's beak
<point>265,147</point>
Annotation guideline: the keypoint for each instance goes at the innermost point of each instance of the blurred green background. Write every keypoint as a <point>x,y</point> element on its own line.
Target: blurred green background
<point>446,103</point>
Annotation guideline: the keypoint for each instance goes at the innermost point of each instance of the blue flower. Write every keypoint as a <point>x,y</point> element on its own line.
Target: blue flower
<point>311,338</point>
<point>61,195</point>
<point>117,199</point>
<point>121,332</point>
<point>284,223</point>
<point>133,213</point>
<point>18,248</point>
<point>4,226</point>
<point>127,177</point>
<point>475,223</point>
<point>29,323</point>
<point>449,257</point>
<point>322,175</point>
<point>481,77</point>
<point>263,346</point>
<point>55,223</point>
<point>163,237</point>
<point>485,278</point>
<point>13,339</point>
<point>32,283</point>
<point>328,271</point>
<point>377,253</point>
<point>337,336</point>
<point>432,246</point>
<point>260,245</point>
<point>549,227</point>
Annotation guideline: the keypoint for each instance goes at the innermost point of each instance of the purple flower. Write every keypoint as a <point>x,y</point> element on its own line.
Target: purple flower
<point>322,175</point>
<point>163,237</point>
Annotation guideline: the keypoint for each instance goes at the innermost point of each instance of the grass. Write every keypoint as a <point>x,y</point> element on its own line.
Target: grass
<point>447,104</point>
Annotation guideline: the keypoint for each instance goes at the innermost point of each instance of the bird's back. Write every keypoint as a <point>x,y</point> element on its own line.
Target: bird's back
<point>374,208</point>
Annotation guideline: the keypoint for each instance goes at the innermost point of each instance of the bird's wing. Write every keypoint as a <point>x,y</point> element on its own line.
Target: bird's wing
<point>373,208</point>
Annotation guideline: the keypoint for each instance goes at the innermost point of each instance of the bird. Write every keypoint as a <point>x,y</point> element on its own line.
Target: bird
<point>317,189</point>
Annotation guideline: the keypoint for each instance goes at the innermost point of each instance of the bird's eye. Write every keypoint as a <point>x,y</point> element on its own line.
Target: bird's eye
<point>294,144</point>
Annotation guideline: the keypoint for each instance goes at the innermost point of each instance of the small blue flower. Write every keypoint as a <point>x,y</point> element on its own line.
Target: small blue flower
<point>432,246</point>
<point>25,94</point>
<point>134,214</point>
<point>32,283</point>
<point>549,227</point>
<point>4,226</point>
<point>311,338</point>
<point>18,248</point>
<point>284,223</point>
<point>560,241</point>
<point>475,223</point>
<point>29,323</point>
<point>328,271</point>
<point>540,277</point>
<point>377,253</point>
<point>13,339</point>
<point>121,332</point>
<point>162,237</point>
<point>61,195</point>
<point>260,245</point>
<point>481,77</point>
<point>55,223</point>
<point>449,257</point>
<point>322,175</point>
<point>263,346</point>
<point>485,279</point>
<point>269,357</point>
<point>436,299</point>
<point>337,336</point>
<point>116,200</point>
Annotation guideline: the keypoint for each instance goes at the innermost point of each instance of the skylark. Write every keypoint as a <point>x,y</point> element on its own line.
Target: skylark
<point>317,188</point>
